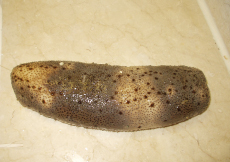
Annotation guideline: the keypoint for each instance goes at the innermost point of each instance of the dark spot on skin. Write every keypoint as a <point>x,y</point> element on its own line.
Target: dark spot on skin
<point>128,75</point>
<point>137,68</point>
<point>190,87</point>
<point>79,102</point>
<point>120,113</point>
<point>109,75</point>
<point>27,65</point>
<point>114,81</point>
<point>160,73</point>
<point>134,99</point>
<point>46,67</point>
<point>156,78</point>
<point>152,105</point>
<point>173,77</point>
<point>112,97</point>
<point>43,101</point>
<point>128,102</point>
<point>186,80</point>
<point>60,93</point>
<point>135,89</point>
<point>63,68</point>
<point>39,88</point>
<point>48,81</point>
<point>139,127</point>
<point>55,67</point>
<point>133,80</point>
<point>148,83</point>
<point>167,102</point>
<point>32,97</point>
<point>152,88</point>
<point>21,88</point>
<point>22,96</point>
<point>150,74</point>
<point>155,72</point>
<point>194,91</point>
<point>202,95</point>
<point>145,96</point>
<point>150,71</point>
<point>116,92</point>
<point>174,73</point>
<point>145,72</point>
<point>178,109</point>
<point>198,104</point>
<point>59,83</point>
<point>52,93</point>
<point>33,87</point>
<point>28,86</point>
<point>149,92</point>
<point>170,90</point>
<point>142,75</point>
<point>27,81</point>
<point>158,93</point>
<point>69,77</point>
<point>176,90</point>
<point>100,110</point>
<point>30,68</point>
<point>184,87</point>
<point>119,76</point>
<point>41,66</point>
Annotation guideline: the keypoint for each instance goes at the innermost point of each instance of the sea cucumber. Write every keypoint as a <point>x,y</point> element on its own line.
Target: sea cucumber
<point>112,98</point>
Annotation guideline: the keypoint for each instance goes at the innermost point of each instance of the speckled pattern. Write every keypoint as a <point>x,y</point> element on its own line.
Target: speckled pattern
<point>113,98</point>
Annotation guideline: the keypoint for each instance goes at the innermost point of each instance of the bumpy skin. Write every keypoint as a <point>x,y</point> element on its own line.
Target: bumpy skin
<point>113,98</point>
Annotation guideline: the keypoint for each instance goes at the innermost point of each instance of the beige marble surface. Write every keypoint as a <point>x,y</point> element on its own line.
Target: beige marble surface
<point>115,32</point>
<point>220,10</point>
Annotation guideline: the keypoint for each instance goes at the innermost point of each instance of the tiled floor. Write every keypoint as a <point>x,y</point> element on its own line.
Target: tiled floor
<point>122,33</point>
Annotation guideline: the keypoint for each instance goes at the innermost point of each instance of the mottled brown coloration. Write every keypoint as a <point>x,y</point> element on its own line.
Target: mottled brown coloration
<point>113,98</point>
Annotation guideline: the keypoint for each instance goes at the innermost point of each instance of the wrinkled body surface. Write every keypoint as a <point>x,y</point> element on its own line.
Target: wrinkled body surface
<point>113,98</point>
